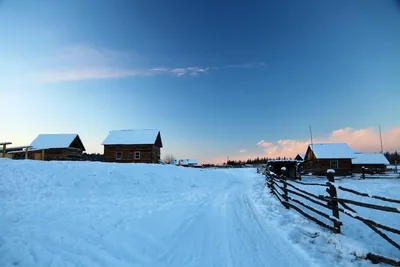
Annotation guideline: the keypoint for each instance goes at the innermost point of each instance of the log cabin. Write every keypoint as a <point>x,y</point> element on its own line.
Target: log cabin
<point>53,147</point>
<point>133,146</point>
<point>372,162</point>
<point>321,157</point>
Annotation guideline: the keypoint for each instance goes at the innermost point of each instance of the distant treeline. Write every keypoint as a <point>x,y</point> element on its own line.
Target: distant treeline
<point>256,161</point>
<point>392,157</point>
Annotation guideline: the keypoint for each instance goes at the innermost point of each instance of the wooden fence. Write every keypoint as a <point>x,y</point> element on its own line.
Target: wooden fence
<point>289,194</point>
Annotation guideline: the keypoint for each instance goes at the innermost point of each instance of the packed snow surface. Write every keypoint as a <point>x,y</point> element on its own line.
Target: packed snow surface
<point>99,214</point>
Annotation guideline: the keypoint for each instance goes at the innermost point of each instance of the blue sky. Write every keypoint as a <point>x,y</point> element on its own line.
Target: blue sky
<point>214,77</point>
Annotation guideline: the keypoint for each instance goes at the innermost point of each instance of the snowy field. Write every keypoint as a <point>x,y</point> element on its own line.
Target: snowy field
<point>97,214</point>
<point>105,214</point>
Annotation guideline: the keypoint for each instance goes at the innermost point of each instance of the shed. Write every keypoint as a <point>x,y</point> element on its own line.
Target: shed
<point>292,167</point>
<point>373,162</point>
<point>133,146</point>
<point>54,147</point>
<point>321,157</point>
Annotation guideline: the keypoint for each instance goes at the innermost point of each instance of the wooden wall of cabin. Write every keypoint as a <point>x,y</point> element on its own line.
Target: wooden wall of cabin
<point>60,154</point>
<point>148,153</point>
<point>322,165</point>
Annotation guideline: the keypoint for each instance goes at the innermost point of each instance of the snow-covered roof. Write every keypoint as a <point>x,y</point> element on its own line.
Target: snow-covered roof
<point>332,151</point>
<point>302,155</point>
<point>46,141</point>
<point>369,158</point>
<point>131,137</point>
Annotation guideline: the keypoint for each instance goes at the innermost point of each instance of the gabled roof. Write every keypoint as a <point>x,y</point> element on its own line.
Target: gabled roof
<point>132,137</point>
<point>370,158</point>
<point>302,155</point>
<point>332,151</point>
<point>47,141</point>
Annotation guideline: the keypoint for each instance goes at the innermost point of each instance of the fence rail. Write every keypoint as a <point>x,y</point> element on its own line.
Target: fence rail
<point>328,207</point>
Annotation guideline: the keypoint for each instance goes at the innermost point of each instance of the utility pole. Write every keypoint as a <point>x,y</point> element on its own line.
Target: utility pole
<point>380,135</point>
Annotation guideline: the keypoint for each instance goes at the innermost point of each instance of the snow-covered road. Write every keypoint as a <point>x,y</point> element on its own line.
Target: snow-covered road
<point>94,214</point>
<point>226,230</point>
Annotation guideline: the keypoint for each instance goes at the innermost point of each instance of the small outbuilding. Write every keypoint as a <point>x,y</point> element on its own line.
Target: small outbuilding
<point>53,147</point>
<point>300,156</point>
<point>133,146</point>
<point>372,162</point>
<point>289,168</point>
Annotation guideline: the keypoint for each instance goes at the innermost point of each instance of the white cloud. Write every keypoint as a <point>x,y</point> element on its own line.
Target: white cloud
<point>363,140</point>
<point>265,144</point>
<point>81,62</point>
<point>243,151</point>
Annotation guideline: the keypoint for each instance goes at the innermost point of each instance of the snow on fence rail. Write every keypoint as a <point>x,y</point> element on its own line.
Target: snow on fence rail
<point>278,186</point>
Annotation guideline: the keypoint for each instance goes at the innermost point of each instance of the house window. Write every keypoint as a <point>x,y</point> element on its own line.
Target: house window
<point>137,154</point>
<point>334,164</point>
<point>118,155</point>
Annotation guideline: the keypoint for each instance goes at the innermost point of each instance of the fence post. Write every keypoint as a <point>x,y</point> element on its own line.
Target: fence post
<point>363,172</point>
<point>285,192</point>
<point>333,194</point>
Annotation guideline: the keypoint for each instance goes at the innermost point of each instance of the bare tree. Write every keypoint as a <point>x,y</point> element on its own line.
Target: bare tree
<point>169,158</point>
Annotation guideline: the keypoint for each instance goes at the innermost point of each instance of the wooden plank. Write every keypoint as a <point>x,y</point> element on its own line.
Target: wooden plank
<point>334,230</point>
<point>314,210</point>
<point>303,183</point>
<point>368,221</point>
<point>361,204</point>
<point>367,195</point>
<point>383,235</point>
<point>309,199</point>
<point>380,259</point>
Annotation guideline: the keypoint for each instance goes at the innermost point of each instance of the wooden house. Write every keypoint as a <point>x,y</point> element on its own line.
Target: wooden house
<point>321,157</point>
<point>133,146</point>
<point>53,147</point>
<point>372,162</point>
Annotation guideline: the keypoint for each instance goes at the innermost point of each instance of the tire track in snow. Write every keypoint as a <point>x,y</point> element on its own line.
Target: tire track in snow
<point>227,231</point>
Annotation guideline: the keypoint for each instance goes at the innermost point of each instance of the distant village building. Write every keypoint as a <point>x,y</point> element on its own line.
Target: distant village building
<point>52,147</point>
<point>300,156</point>
<point>189,163</point>
<point>133,146</point>
<point>373,162</point>
<point>321,157</point>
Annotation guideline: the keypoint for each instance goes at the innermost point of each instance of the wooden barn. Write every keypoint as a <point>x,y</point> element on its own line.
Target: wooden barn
<point>133,146</point>
<point>53,147</point>
<point>372,162</point>
<point>321,157</point>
